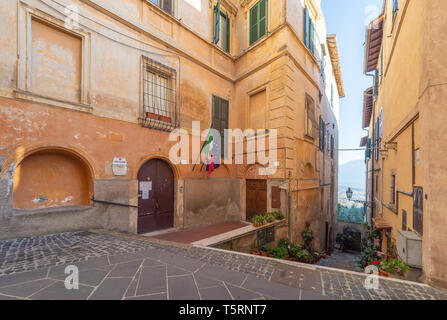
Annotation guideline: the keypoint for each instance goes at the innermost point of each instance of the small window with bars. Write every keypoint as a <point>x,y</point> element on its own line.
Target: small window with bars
<point>159,96</point>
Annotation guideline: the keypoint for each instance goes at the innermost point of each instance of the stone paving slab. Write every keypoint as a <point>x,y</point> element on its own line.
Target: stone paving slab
<point>147,270</point>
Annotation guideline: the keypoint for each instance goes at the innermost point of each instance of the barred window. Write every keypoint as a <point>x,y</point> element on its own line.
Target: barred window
<point>159,96</point>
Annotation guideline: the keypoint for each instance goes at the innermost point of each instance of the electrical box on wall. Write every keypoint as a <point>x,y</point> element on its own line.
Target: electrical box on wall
<point>409,248</point>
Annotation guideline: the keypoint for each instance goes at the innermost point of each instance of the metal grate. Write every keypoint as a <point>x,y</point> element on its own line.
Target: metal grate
<point>159,96</point>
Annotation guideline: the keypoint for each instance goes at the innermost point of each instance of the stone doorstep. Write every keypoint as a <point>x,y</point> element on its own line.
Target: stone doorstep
<point>315,267</point>
<point>233,234</point>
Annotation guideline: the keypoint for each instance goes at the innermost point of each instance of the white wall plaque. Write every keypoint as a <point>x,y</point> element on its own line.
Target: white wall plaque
<point>119,166</point>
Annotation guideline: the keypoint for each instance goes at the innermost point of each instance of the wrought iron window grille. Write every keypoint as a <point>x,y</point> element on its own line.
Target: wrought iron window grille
<point>159,96</point>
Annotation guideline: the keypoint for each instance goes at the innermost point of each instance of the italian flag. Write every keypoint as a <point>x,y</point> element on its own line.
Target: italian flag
<point>209,148</point>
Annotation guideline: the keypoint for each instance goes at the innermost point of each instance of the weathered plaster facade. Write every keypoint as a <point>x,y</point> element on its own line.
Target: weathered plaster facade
<point>412,142</point>
<point>73,97</point>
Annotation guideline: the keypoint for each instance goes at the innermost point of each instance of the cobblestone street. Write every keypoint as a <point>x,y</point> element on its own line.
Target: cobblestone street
<point>131,267</point>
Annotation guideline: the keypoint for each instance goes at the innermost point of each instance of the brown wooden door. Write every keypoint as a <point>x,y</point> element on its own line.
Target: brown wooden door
<point>155,196</point>
<point>256,198</point>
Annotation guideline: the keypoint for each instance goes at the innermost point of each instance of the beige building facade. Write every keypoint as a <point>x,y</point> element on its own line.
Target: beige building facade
<point>404,113</point>
<point>91,90</point>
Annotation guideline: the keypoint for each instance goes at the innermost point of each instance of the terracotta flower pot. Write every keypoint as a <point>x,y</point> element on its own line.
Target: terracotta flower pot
<point>165,119</point>
<point>151,115</point>
<point>383,273</point>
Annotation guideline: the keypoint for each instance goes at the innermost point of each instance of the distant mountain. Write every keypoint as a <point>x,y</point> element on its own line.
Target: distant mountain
<point>352,174</point>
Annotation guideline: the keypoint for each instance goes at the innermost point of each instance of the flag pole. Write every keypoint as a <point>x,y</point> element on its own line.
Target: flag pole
<point>200,153</point>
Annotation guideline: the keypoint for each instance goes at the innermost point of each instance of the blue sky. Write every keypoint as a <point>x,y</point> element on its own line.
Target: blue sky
<point>348,19</point>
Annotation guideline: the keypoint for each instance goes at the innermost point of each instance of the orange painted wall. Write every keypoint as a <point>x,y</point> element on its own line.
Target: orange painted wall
<point>57,177</point>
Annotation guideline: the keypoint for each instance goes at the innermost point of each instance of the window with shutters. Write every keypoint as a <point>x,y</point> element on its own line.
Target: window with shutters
<point>166,5</point>
<point>220,110</point>
<point>393,188</point>
<point>395,9</point>
<point>322,133</point>
<point>221,32</point>
<point>376,83</point>
<point>309,31</point>
<point>310,117</point>
<point>377,141</point>
<point>404,220</point>
<point>258,20</point>
<point>159,96</point>
<point>418,209</point>
<point>332,146</point>
<point>368,150</point>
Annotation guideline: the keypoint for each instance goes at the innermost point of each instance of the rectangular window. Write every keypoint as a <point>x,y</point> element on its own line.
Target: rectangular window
<point>404,220</point>
<point>418,209</point>
<point>159,97</point>
<point>310,116</point>
<point>395,8</point>
<point>258,21</point>
<point>322,134</point>
<point>376,83</point>
<point>332,95</point>
<point>377,142</point>
<point>309,31</point>
<point>221,28</point>
<point>332,146</point>
<point>368,149</point>
<point>393,189</point>
<point>220,110</point>
<point>166,5</point>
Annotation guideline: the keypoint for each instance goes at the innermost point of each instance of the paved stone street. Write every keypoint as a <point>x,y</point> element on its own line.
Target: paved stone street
<point>341,260</point>
<point>130,267</point>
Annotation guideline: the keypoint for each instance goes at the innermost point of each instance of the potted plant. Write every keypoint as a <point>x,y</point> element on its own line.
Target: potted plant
<point>270,217</point>
<point>393,268</point>
<point>279,215</point>
<point>258,221</point>
<point>165,119</point>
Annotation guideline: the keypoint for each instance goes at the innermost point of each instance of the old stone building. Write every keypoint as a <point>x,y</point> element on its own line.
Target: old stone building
<point>91,89</point>
<point>405,114</point>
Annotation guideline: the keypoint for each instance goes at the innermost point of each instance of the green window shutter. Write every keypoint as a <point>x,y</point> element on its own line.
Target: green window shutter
<point>254,23</point>
<point>216,37</point>
<point>228,34</point>
<point>324,135</point>
<point>312,37</point>
<point>376,83</point>
<point>368,150</point>
<point>263,18</point>
<point>321,133</point>
<point>258,20</point>
<point>332,146</point>
<point>381,64</point>
<point>306,27</point>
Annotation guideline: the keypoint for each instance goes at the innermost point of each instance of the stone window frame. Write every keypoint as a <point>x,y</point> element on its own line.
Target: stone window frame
<point>24,89</point>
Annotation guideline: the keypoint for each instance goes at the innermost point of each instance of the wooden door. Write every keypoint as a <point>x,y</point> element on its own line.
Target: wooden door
<point>256,198</point>
<point>155,196</point>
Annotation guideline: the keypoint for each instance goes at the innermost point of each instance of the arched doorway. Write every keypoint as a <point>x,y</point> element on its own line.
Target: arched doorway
<point>51,178</point>
<point>155,196</point>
